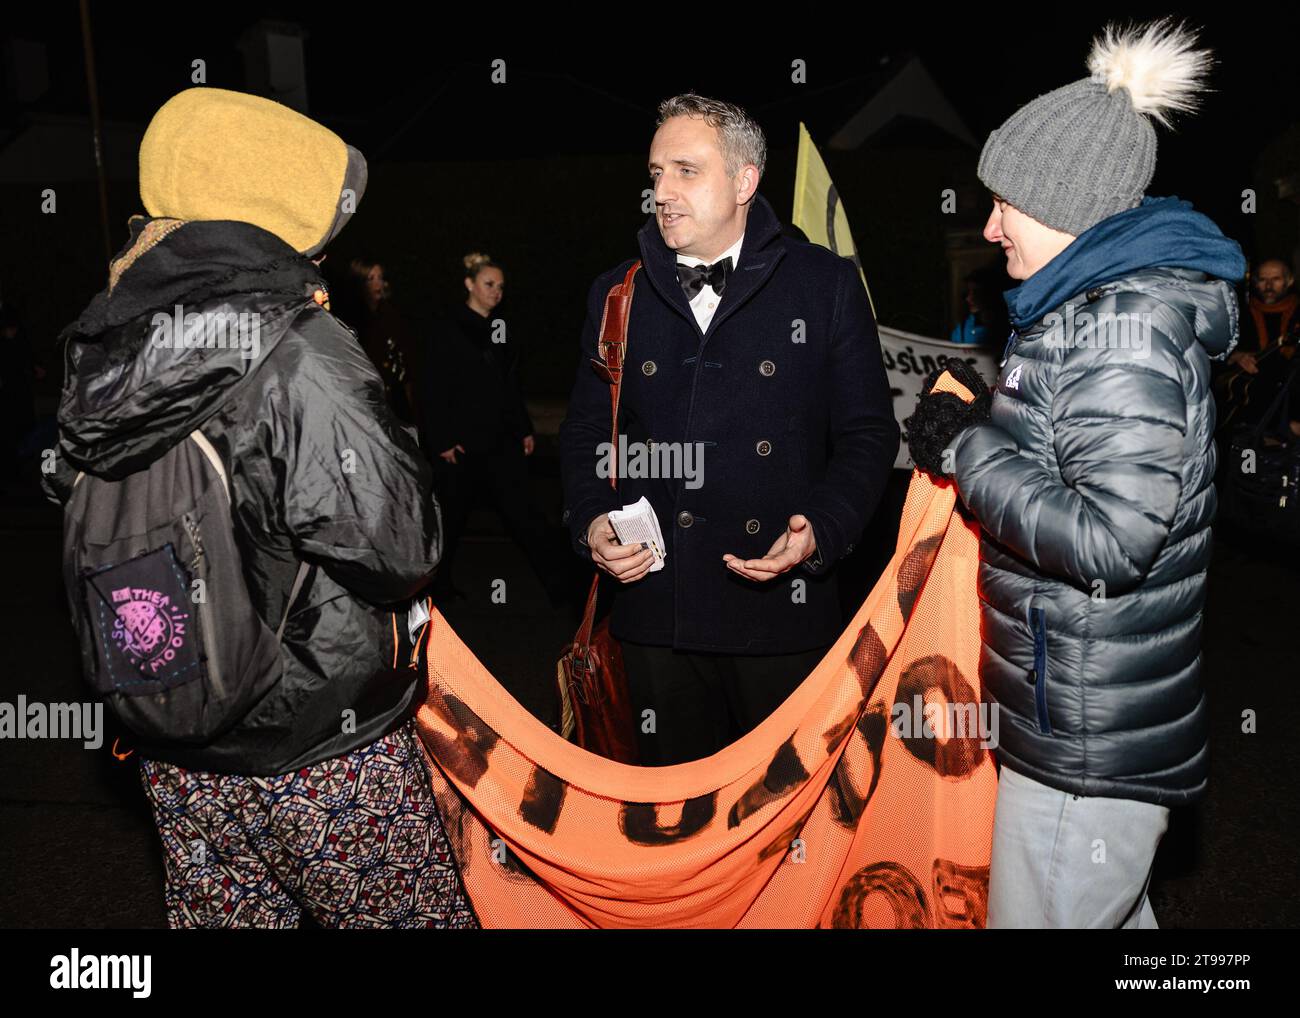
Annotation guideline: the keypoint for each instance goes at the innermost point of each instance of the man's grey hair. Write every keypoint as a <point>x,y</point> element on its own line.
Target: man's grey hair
<point>741,139</point>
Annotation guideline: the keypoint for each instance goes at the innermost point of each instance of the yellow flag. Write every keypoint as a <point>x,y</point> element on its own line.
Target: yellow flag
<point>818,210</point>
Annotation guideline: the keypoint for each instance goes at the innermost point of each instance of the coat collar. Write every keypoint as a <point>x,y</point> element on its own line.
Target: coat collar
<point>759,254</point>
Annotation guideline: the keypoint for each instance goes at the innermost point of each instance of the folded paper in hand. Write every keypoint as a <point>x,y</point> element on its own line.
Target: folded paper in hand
<point>637,524</point>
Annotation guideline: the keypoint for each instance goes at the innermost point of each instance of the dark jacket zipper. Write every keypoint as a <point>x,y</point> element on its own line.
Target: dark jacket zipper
<point>1039,618</point>
<point>193,529</point>
<point>200,609</point>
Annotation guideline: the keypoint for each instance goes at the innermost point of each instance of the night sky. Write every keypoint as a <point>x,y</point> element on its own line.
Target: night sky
<point>412,89</point>
<point>408,86</point>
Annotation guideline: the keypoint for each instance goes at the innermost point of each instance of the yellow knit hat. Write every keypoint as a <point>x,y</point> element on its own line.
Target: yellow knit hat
<point>211,154</point>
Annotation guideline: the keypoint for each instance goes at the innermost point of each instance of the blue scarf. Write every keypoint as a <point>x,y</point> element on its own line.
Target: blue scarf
<point>1159,233</point>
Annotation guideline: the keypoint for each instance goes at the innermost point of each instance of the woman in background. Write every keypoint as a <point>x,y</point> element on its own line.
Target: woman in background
<point>477,429</point>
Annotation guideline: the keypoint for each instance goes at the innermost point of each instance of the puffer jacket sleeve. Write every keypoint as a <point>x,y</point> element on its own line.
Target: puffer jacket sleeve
<point>1118,419</point>
<point>357,491</point>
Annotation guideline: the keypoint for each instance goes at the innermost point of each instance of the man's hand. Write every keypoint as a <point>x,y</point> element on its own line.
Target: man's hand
<point>450,454</point>
<point>1245,361</point>
<point>791,548</point>
<point>529,445</point>
<point>625,562</point>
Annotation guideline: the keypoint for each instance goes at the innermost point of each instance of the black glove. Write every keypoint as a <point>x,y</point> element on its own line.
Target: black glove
<point>941,416</point>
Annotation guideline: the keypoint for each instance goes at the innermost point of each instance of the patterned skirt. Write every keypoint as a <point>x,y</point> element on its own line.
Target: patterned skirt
<point>356,840</point>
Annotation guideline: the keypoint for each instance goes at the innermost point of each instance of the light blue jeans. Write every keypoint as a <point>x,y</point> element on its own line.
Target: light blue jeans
<point>1064,861</point>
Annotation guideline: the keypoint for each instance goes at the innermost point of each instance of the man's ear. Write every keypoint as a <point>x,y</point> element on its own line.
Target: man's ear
<point>747,184</point>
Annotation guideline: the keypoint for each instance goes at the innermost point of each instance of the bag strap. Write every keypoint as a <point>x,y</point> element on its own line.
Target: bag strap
<point>209,450</point>
<point>611,347</point>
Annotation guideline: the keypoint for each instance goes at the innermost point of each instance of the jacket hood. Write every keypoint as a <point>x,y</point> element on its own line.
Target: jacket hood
<point>213,154</point>
<point>1160,233</point>
<point>191,310</point>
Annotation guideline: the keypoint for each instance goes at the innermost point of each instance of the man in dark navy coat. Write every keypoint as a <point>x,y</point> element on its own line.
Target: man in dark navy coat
<point>756,420</point>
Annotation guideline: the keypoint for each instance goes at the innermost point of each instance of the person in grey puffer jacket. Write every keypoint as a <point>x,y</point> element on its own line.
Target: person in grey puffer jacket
<point>1092,479</point>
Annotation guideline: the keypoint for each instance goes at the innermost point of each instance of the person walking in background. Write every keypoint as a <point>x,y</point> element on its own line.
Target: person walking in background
<point>477,430</point>
<point>1092,478</point>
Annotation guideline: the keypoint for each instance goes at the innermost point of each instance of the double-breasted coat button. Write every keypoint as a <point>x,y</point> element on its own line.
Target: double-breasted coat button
<point>684,519</point>
<point>764,447</point>
<point>648,368</point>
<point>751,526</point>
<point>767,369</point>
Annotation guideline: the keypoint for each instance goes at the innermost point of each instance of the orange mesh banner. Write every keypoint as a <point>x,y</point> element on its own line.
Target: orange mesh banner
<point>865,800</point>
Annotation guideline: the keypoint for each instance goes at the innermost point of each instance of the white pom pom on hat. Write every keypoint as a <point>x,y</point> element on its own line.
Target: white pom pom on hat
<point>1158,64</point>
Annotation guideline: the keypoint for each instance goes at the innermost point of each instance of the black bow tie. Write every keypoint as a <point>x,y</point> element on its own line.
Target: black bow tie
<point>693,277</point>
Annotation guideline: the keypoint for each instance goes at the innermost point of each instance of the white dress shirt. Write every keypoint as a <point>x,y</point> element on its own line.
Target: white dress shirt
<point>706,301</point>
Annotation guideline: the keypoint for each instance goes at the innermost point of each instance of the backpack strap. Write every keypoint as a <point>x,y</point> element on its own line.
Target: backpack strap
<point>208,450</point>
<point>201,440</point>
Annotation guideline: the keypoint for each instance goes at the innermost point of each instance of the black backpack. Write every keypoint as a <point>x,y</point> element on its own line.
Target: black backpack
<point>169,636</point>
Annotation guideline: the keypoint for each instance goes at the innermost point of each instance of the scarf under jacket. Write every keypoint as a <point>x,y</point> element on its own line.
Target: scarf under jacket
<point>1159,233</point>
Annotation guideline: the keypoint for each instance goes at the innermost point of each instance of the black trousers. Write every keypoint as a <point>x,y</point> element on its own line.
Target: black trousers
<point>502,474</point>
<point>703,702</point>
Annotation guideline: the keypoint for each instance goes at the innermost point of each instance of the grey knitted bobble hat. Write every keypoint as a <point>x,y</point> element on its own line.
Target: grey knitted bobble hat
<point>1087,150</point>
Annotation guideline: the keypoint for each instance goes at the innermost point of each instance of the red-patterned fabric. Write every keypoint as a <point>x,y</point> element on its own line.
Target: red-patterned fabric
<point>356,840</point>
